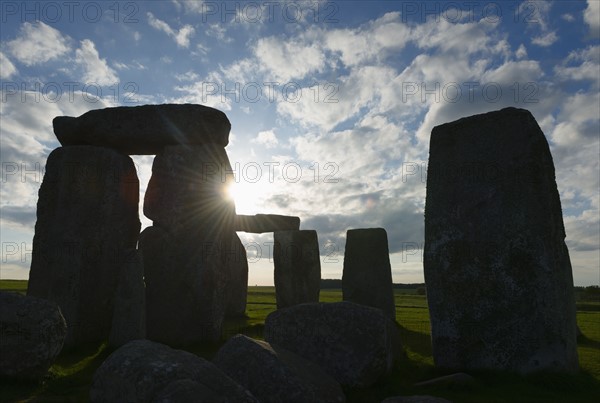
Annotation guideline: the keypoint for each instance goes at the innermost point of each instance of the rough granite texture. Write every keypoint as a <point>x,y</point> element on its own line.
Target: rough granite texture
<point>497,269</point>
<point>273,374</point>
<point>297,267</point>
<point>140,370</point>
<point>367,276</point>
<point>87,220</point>
<point>32,333</point>
<point>355,344</point>
<point>144,129</point>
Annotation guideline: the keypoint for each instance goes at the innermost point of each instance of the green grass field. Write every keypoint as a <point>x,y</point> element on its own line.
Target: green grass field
<point>69,379</point>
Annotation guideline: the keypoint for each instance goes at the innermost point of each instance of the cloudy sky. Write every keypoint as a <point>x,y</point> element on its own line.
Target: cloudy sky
<point>331,103</point>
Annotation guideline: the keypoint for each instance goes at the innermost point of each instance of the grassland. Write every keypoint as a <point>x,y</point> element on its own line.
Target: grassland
<point>70,377</point>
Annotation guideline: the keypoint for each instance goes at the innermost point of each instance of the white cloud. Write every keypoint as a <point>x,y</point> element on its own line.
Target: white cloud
<point>288,59</point>
<point>96,70</point>
<point>591,16</point>
<point>568,17</point>
<point>266,138</point>
<point>38,43</point>
<point>581,64</point>
<point>181,37</point>
<point>7,69</point>
<point>545,40</point>
<point>190,6</point>
<point>187,76</point>
<point>521,52</point>
<point>219,32</point>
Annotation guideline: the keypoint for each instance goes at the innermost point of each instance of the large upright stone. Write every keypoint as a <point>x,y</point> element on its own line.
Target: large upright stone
<point>87,220</point>
<point>144,129</point>
<point>498,274</point>
<point>297,267</point>
<point>260,223</point>
<point>367,276</point>
<point>187,251</point>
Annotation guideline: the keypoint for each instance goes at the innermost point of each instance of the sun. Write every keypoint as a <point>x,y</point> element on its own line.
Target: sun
<point>248,197</point>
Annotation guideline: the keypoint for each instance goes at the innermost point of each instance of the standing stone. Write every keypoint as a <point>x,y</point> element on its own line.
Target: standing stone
<point>498,274</point>
<point>297,267</point>
<point>367,277</point>
<point>129,314</point>
<point>187,251</point>
<point>144,129</point>
<point>87,218</point>
<point>260,223</point>
<point>237,288</point>
<point>32,333</point>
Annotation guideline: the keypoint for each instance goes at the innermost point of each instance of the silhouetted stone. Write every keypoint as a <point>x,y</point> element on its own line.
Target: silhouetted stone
<point>87,218</point>
<point>260,223</point>
<point>498,274</point>
<point>140,370</point>
<point>186,278</point>
<point>297,267</point>
<point>273,374</point>
<point>367,277</point>
<point>188,188</point>
<point>129,313</point>
<point>187,251</point>
<point>355,344</point>
<point>32,332</point>
<point>237,289</point>
<point>186,390</point>
<point>416,399</point>
<point>144,129</point>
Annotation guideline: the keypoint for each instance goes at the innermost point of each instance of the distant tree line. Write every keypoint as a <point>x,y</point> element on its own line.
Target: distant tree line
<point>334,283</point>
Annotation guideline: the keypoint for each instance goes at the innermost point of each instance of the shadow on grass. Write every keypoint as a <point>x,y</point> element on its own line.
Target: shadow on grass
<point>416,341</point>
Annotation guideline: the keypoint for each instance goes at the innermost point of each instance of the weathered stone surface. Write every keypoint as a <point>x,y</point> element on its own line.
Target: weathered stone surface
<point>188,189</point>
<point>186,390</point>
<point>297,267</point>
<point>494,233</point>
<point>260,223</point>
<point>416,399</point>
<point>237,289</point>
<point>186,252</point>
<point>355,344</point>
<point>144,129</point>
<point>32,333</point>
<point>87,218</point>
<point>129,313</point>
<point>273,374</point>
<point>141,369</point>
<point>186,278</point>
<point>367,277</point>
<point>454,381</point>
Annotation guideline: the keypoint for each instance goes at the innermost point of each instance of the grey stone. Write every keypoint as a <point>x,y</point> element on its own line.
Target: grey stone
<point>454,381</point>
<point>260,223</point>
<point>367,276</point>
<point>140,370</point>
<point>498,273</point>
<point>273,374</point>
<point>87,218</point>
<point>187,251</point>
<point>355,344</point>
<point>186,280</point>
<point>144,129</point>
<point>237,289</point>
<point>416,399</point>
<point>32,333</point>
<point>129,313</point>
<point>188,190</point>
<point>297,267</point>
<point>186,390</point>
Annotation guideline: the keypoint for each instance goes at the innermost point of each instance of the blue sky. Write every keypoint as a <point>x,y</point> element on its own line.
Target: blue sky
<point>331,103</point>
